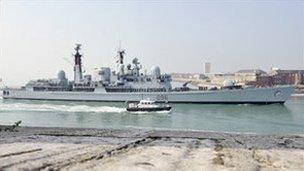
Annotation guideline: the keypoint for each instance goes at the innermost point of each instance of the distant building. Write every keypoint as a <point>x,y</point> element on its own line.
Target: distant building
<point>250,72</point>
<point>181,75</point>
<point>255,77</point>
<point>199,76</point>
<point>207,68</point>
<point>249,76</point>
<point>280,77</point>
<point>291,77</point>
<point>188,76</point>
<point>219,78</point>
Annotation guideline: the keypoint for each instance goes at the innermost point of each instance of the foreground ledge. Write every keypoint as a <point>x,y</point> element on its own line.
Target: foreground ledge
<point>36,148</point>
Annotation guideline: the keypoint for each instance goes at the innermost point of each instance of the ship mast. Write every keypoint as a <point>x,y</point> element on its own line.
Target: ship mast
<point>77,65</point>
<point>121,54</point>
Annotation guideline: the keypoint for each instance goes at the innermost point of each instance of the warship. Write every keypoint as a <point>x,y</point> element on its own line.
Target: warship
<point>128,83</point>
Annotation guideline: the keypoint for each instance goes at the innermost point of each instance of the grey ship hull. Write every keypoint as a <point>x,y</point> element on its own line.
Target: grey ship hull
<point>242,96</point>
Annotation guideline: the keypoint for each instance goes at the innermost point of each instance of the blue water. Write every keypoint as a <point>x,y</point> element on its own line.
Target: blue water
<point>261,119</point>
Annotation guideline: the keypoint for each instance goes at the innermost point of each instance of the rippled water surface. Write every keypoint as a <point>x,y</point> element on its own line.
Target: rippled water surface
<point>265,119</point>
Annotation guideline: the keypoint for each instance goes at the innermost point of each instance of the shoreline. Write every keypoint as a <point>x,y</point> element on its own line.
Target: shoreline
<point>144,149</point>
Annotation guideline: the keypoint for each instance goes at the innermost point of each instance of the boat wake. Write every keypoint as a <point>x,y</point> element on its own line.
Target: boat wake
<point>60,108</point>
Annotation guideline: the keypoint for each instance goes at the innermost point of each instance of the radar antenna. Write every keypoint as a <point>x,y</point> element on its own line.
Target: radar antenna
<point>120,54</point>
<point>78,47</point>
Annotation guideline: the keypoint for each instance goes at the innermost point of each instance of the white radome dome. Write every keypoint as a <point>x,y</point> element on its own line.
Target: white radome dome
<point>155,70</point>
<point>228,83</point>
<point>61,75</point>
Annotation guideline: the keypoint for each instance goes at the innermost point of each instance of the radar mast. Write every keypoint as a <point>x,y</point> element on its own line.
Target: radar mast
<point>77,65</point>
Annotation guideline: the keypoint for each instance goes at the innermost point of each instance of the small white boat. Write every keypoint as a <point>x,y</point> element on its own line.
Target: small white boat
<point>148,106</point>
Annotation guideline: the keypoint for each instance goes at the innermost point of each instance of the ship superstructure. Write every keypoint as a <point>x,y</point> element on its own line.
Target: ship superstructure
<point>129,83</point>
<point>130,78</point>
<point>126,79</point>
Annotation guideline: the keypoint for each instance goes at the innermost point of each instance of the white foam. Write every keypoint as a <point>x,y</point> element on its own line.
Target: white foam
<point>59,108</point>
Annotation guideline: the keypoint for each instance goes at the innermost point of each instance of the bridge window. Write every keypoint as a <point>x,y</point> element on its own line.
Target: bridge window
<point>5,92</point>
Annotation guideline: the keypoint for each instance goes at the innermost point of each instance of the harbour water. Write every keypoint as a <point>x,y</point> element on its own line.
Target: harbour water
<point>260,119</point>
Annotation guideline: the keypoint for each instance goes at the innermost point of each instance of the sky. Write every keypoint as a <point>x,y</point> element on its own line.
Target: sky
<point>37,37</point>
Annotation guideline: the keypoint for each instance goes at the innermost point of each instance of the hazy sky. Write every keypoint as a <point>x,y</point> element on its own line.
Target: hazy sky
<point>35,36</point>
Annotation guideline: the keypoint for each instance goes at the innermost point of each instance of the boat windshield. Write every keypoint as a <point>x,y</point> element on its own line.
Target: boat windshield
<point>146,102</point>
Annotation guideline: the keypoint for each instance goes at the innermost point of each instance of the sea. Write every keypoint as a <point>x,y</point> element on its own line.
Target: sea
<point>256,119</point>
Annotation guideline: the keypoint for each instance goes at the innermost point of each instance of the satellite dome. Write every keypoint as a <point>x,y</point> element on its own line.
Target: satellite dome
<point>155,71</point>
<point>228,83</point>
<point>61,75</point>
<point>135,61</point>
